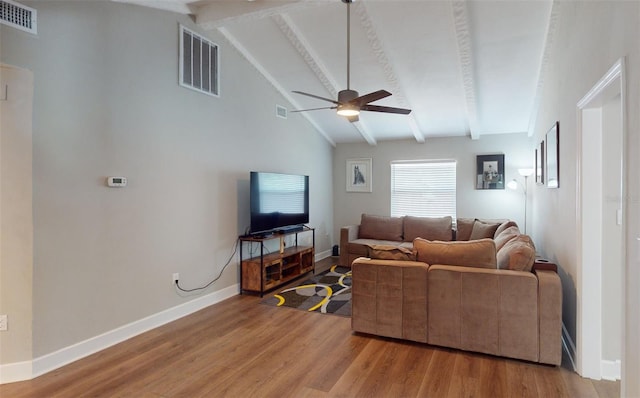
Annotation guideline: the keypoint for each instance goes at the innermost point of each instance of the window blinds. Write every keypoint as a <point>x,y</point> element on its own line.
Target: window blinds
<point>423,188</point>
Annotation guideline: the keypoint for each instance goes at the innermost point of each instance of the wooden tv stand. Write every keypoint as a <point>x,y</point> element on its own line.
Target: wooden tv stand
<point>270,270</point>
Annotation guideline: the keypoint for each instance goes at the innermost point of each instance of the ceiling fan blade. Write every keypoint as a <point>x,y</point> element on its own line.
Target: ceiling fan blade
<point>314,109</point>
<point>318,97</point>
<point>386,109</point>
<point>371,97</point>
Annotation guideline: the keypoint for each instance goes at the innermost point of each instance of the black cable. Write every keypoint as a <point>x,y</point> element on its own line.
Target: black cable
<point>235,250</point>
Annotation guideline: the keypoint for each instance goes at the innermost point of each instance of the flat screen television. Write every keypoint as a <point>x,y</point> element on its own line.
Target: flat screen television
<point>278,201</point>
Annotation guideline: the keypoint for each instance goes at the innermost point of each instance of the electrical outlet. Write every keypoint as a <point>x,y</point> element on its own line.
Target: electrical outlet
<point>3,323</point>
<point>176,278</point>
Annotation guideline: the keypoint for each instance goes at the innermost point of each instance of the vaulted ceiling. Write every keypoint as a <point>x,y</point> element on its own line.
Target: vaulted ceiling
<point>464,68</point>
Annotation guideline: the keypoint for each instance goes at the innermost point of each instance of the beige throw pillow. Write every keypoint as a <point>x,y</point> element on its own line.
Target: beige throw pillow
<point>505,236</point>
<point>478,253</point>
<point>464,227</point>
<point>483,230</point>
<point>518,254</point>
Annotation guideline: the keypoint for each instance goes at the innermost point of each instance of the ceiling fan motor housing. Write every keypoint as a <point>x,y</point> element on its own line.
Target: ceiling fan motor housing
<point>347,95</point>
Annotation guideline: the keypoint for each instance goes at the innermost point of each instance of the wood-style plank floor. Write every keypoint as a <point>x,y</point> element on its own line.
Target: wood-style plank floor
<point>241,348</point>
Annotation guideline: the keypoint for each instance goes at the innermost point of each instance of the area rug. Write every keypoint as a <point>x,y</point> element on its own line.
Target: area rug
<point>327,293</point>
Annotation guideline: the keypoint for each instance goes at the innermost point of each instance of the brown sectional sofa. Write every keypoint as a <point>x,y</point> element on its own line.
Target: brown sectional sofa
<point>486,295</point>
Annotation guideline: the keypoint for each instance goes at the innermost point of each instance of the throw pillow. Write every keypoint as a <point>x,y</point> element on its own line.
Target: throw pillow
<point>518,254</point>
<point>478,253</point>
<point>482,230</point>
<point>430,228</point>
<point>464,227</point>
<point>505,236</point>
<point>380,227</point>
<point>505,225</point>
<point>389,252</point>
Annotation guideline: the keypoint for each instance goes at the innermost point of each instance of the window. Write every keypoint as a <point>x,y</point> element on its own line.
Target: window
<point>423,188</point>
<point>198,63</point>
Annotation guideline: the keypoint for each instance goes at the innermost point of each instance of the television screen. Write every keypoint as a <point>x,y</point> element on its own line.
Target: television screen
<point>278,200</point>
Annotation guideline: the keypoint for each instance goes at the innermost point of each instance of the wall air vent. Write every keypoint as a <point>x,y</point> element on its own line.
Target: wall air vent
<point>199,63</point>
<point>281,111</point>
<point>18,16</point>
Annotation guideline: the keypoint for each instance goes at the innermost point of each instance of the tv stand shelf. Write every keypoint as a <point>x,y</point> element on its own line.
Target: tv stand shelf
<point>270,270</point>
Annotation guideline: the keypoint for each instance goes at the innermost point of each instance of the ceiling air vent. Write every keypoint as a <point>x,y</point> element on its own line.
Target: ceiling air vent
<point>18,16</point>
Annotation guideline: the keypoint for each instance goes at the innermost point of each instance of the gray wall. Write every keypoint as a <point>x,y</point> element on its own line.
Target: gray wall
<point>107,103</point>
<point>502,203</point>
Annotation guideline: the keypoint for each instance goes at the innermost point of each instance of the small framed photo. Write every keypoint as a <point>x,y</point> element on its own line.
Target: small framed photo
<point>540,163</point>
<point>552,156</point>
<point>359,175</point>
<point>490,172</point>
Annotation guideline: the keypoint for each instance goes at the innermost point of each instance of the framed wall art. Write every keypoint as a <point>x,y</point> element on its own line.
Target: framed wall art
<point>540,163</point>
<point>490,172</point>
<point>359,175</point>
<point>552,156</point>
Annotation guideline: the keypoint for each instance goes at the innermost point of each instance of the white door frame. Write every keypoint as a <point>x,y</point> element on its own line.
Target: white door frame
<point>588,284</point>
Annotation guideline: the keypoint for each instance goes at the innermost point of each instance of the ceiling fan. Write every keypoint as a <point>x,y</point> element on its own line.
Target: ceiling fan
<point>349,103</point>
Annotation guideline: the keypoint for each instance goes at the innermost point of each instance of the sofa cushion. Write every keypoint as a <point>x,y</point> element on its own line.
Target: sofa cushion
<point>431,228</point>
<point>477,253</point>
<point>464,227</point>
<point>380,227</point>
<point>505,236</point>
<point>518,254</point>
<point>482,230</point>
<point>391,252</point>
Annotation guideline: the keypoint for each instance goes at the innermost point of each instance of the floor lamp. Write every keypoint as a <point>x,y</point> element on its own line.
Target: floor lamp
<point>513,184</point>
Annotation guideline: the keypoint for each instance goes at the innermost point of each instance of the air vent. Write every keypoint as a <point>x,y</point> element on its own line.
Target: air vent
<point>18,16</point>
<point>199,63</point>
<point>281,111</point>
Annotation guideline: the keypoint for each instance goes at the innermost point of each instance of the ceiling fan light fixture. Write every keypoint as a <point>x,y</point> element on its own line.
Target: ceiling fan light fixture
<point>348,110</point>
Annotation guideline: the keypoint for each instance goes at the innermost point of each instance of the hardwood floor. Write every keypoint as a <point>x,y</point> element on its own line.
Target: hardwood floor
<point>241,348</point>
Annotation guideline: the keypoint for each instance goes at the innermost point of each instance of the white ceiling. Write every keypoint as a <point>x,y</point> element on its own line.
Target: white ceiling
<point>465,68</point>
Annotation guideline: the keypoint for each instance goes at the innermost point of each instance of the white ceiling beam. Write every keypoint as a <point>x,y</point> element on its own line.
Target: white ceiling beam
<point>245,53</point>
<point>221,13</point>
<point>310,57</point>
<point>544,62</point>
<point>378,48</point>
<point>467,68</point>
<point>178,6</point>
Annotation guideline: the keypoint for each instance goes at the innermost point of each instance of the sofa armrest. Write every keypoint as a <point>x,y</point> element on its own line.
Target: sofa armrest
<point>347,234</point>
<point>550,316</point>
<point>389,298</point>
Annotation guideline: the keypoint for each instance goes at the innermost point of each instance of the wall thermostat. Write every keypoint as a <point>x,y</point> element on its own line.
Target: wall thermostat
<point>117,181</point>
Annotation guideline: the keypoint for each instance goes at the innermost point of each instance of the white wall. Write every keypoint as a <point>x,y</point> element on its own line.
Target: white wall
<point>16,219</point>
<point>501,203</point>
<point>590,38</point>
<point>108,103</point>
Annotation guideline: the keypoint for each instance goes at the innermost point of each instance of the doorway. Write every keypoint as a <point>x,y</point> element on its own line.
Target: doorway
<point>601,229</point>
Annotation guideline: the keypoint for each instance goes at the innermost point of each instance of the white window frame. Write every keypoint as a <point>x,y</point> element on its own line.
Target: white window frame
<point>214,77</point>
<point>418,199</point>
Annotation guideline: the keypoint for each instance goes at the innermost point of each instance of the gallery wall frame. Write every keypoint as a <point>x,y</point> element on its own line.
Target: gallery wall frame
<point>540,165</point>
<point>552,156</point>
<point>359,175</point>
<point>490,171</point>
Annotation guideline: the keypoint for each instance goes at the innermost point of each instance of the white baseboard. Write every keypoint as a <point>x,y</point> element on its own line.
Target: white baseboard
<point>611,370</point>
<point>26,370</point>
<point>323,255</point>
